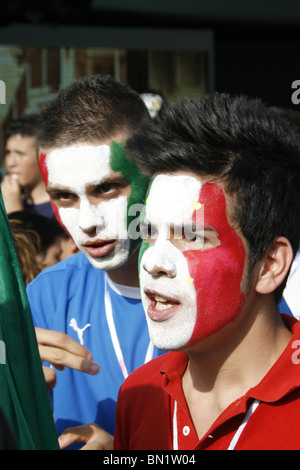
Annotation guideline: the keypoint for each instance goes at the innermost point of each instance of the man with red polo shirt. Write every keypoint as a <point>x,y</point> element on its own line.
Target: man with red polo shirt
<point>221,227</point>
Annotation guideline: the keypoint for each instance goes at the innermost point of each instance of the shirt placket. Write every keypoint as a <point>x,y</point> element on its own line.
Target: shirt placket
<point>186,433</point>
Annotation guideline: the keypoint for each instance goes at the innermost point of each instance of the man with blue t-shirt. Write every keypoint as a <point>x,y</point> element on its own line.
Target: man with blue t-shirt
<point>87,309</point>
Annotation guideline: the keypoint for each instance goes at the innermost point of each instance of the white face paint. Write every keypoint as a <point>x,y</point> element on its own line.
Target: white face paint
<point>168,292</point>
<point>98,225</point>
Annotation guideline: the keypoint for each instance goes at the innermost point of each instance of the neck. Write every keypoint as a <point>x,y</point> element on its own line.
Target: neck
<point>127,274</point>
<point>232,361</point>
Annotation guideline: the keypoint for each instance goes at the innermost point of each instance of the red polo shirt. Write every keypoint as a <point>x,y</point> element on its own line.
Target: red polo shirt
<point>145,409</point>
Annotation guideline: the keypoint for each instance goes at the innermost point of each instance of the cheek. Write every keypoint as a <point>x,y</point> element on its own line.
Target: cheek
<point>217,275</point>
<point>68,218</point>
<point>45,175</point>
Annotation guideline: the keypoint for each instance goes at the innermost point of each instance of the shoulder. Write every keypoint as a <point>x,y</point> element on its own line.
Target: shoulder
<point>68,267</point>
<point>68,278</point>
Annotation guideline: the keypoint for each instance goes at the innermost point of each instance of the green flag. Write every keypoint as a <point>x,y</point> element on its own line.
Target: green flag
<point>23,392</point>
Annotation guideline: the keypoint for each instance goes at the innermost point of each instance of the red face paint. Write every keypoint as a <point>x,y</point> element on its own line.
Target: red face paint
<point>217,272</point>
<point>44,173</point>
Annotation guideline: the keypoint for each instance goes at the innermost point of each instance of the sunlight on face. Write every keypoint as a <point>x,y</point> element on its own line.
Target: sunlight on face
<point>191,287</point>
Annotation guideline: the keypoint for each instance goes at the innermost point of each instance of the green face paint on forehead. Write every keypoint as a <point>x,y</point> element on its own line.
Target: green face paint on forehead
<point>121,163</point>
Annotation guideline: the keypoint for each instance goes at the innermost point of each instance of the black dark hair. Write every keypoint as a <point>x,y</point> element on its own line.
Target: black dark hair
<point>26,125</point>
<point>292,118</point>
<point>43,231</point>
<point>240,142</point>
<point>91,109</point>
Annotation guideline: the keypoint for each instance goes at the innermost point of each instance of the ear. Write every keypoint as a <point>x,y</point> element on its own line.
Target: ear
<point>275,266</point>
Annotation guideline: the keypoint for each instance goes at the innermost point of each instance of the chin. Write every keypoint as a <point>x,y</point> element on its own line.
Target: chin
<point>113,260</point>
<point>169,337</point>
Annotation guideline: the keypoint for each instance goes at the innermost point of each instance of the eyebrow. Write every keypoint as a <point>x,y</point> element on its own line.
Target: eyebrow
<point>109,179</point>
<point>57,187</point>
<point>19,152</point>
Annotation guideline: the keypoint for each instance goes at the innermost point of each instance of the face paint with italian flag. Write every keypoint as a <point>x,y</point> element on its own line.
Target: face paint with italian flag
<point>78,168</point>
<point>190,288</point>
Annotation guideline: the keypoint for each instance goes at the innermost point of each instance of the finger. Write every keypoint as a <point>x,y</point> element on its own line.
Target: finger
<point>76,434</point>
<point>99,445</point>
<point>62,341</point>
<point>11,181</point>
<point>60,357</point>
<point>94,437</point>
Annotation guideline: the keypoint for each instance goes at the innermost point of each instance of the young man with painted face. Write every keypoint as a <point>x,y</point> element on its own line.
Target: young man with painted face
<point>221,227</point>
<point>92,298</point>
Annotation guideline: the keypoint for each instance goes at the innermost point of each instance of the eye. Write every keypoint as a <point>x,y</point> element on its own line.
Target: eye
<point>106,188</point>
<point>148,231</point>
<point>109,189</point>
<point>63,198</point>
<point>191,236</point>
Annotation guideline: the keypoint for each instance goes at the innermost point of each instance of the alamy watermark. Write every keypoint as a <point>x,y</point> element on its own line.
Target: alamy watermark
<point>2,92</point>
<point>184,228</point>
<point>296,94</point>
<point>2,352</point>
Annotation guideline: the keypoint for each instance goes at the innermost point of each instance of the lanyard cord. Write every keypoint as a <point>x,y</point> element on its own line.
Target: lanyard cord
<point>175,428</point>
<point>237,435</point>
<point>114,336</point>
<point>241,428</point>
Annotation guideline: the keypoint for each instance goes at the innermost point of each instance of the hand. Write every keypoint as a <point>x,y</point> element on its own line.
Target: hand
<point>61,350</point>
<point>95,438</point>
<point>12,194</point>
<point>50,377</point>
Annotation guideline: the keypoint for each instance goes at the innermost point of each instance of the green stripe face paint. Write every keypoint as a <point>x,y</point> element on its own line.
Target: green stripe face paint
<point>97,193</point>
<point>120,162</point>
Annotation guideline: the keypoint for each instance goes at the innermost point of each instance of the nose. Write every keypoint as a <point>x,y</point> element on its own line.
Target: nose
<point>158,260</point>
<point>89,219</point>
<point>10,160</point>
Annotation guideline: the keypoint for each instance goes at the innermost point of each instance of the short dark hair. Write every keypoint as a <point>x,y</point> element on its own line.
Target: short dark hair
<point>239,141</point>
<point>90,109</point>
<point>292,118</point>
<point>26,125</point>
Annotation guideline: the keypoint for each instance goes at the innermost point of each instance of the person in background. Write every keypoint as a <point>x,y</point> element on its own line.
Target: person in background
<point>23,187</point>
<point>154,101</point>
<point>221,228</point>
<point>26,252</point>
<point>87,308</point>
<point>44,233</point>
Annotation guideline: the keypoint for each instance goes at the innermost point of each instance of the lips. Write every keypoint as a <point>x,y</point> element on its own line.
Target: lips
<point>160,307</point>
<point>99,248</point>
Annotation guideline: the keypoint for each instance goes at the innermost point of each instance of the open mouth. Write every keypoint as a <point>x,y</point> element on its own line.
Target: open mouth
<point>160,307</point>
<point>99,248</point>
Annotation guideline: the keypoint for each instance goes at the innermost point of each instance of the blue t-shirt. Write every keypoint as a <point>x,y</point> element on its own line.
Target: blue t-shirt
<point>74,290</point>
